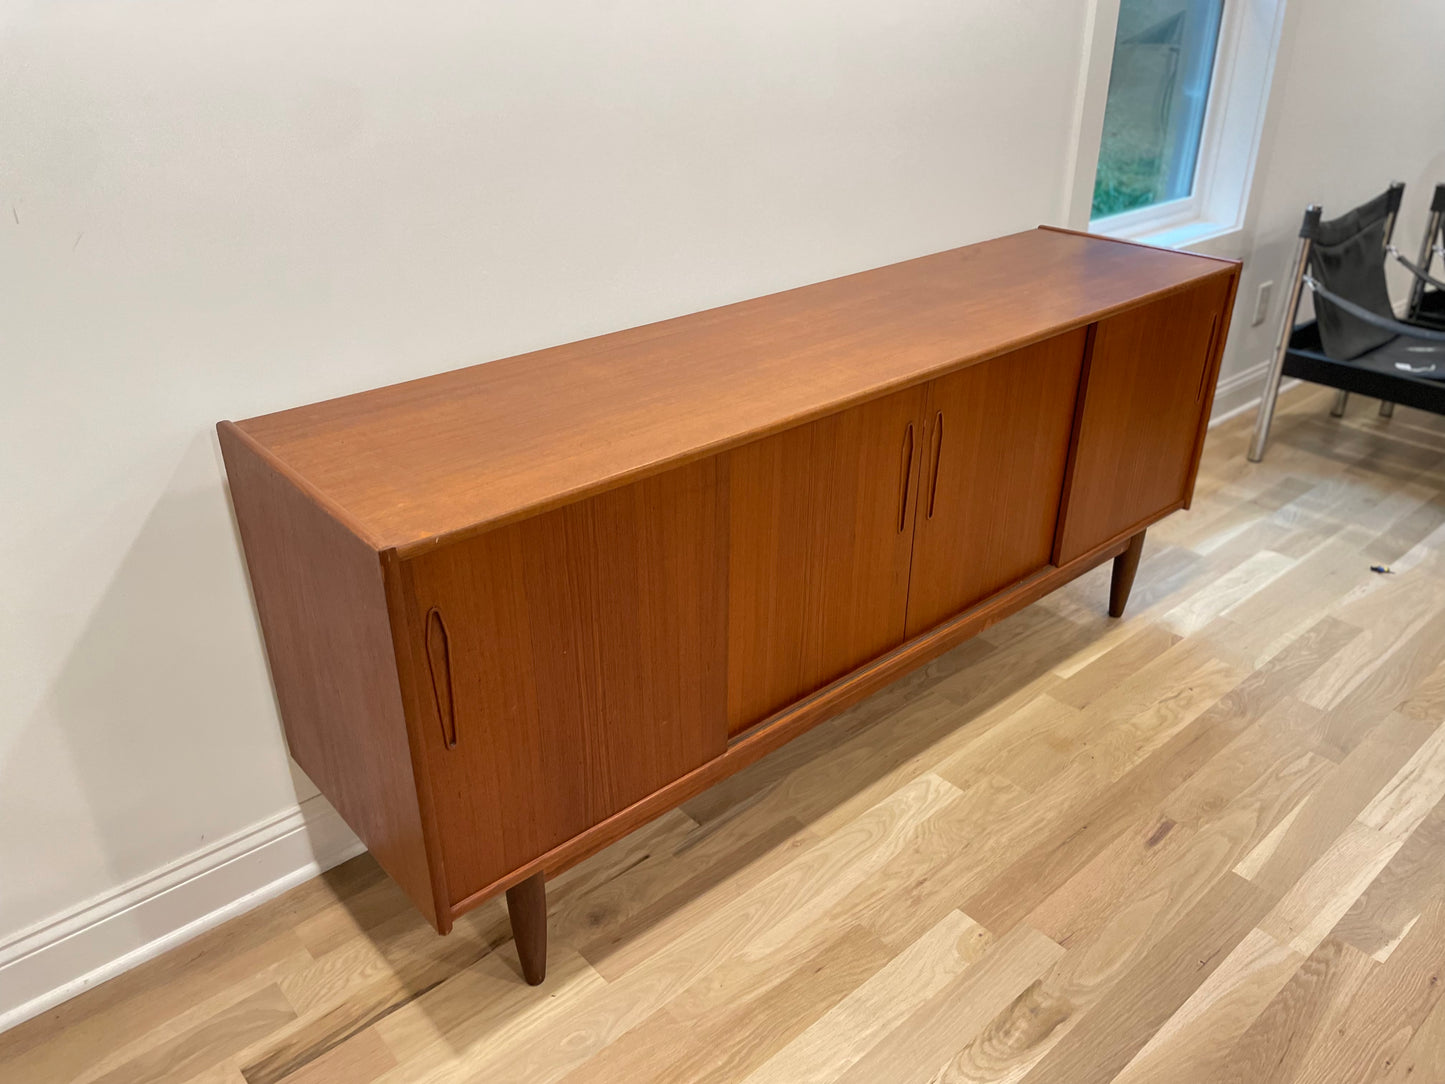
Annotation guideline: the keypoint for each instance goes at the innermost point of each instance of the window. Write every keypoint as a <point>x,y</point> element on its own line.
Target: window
<point>1169,121</point>
<point>1158,95</point>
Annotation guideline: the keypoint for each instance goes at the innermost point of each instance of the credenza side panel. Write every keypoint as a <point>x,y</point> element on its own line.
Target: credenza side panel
<point>996,441</point>
<point>821,534</point>
<point>571,664</point>
<point>1146,388</point>
<point>321,599</point>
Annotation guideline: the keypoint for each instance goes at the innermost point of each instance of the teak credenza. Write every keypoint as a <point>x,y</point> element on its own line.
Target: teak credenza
<point>517,610</point>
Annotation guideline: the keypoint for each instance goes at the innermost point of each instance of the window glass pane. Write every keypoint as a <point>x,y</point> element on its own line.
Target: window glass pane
<point>1158,89</point>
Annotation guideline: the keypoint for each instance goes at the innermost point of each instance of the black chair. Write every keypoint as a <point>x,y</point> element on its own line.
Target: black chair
<point>1355,343</point>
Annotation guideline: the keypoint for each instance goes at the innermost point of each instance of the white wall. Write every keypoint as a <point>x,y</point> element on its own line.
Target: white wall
<point>1358,101</point>
<point>215,208</point>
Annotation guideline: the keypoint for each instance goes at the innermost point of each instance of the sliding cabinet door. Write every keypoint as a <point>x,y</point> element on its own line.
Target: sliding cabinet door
<point>996,441</point>
<point>1147,391</point>
<point>568,665</point>
<point>820,537</point>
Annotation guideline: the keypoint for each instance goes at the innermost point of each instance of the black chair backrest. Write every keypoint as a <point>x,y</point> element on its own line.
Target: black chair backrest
<point>1347,257</point>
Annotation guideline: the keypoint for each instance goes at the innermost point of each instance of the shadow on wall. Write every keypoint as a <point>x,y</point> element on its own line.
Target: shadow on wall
<point>160,735</point>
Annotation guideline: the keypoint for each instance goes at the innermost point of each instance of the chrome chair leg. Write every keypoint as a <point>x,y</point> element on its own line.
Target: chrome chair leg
<point>1427,252</point>
<point>1397,190</point>
<point>1342,399</point>
<point>1265,416</point>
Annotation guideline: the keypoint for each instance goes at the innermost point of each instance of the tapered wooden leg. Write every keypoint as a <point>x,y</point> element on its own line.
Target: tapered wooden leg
<point>527,907</point>
<point>1125,565</point>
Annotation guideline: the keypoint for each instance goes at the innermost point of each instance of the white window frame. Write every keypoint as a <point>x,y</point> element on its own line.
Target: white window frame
<point>1244,57</point>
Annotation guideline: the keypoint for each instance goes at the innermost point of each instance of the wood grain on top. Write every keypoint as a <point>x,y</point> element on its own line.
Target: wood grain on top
<point>413,462</point>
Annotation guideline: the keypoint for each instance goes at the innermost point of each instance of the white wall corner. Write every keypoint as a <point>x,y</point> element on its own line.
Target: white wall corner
<point>55,960</point>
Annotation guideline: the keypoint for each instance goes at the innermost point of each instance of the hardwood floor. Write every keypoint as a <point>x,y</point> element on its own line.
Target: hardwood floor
<point>1205,843</point>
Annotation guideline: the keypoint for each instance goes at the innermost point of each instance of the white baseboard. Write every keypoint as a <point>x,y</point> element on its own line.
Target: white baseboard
<point>56,959</point>
<point>1240,392</point>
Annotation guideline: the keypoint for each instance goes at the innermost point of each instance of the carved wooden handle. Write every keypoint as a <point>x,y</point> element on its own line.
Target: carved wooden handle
<point>907,477</point>
<point>439,662</point>
<point>937,458</point>
<point>1208,354</point>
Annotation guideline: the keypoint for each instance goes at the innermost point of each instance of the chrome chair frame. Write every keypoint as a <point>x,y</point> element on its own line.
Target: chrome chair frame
<point>1265,416</point>
<point>1431,243</point>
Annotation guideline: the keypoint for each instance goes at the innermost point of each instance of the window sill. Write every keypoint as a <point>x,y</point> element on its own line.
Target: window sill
<point>1195,235</point>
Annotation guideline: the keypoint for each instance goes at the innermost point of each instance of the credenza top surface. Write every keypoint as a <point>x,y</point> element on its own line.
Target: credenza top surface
<point>408,464</point>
